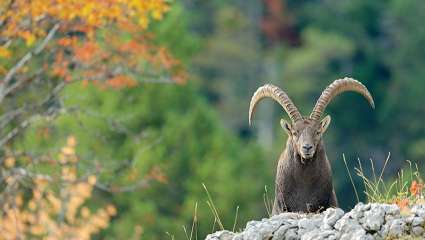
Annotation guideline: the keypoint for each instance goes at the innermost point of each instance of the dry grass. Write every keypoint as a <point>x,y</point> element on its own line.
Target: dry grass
<point>406,189</point>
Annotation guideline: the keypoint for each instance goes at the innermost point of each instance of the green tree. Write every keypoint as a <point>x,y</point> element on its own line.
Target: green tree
<point>168,133</point>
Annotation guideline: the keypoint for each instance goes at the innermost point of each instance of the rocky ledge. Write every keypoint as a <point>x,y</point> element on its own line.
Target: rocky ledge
<point>365,221</point>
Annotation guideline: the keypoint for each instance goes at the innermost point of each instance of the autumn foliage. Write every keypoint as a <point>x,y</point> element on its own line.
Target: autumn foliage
<point>54,206</point>
<point>45,45</point>
<point>30,20</point>
<point>414,195</point>
<point>72,33</point>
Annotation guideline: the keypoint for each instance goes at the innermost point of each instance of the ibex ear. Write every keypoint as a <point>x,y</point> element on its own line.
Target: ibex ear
<point>324,124</point>
<point>286,126</point>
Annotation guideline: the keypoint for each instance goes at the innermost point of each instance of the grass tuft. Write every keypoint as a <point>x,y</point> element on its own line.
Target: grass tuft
<point>213,209</point>
<point>404,190</point>
<point>267,202</point>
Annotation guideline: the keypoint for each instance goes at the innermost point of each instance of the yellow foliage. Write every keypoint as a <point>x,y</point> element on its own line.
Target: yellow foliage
<point>60,214</point>
<point>68,150</point>
<point>91,180</point>
<point>111,210</point>
<point>25,19</point>
<point>4,52</point>
<point>9,162</point>
<point>71,141</point>
<point>28,37</point>
<point>82,55</point>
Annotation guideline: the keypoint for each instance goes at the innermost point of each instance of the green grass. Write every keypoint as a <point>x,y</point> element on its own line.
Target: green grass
<point>376,189</point>
<point>193,233</point>
<point>397,189</point>
<point>268,202</point>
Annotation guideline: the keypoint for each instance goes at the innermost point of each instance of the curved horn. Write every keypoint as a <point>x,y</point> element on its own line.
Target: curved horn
<point>279,96</point>
<point>337,87</point>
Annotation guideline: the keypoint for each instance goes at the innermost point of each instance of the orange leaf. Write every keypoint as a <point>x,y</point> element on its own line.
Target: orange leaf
<point>415,188</point>
<point>121,81</point>
<point>402,203</point>
<point>86,52</point>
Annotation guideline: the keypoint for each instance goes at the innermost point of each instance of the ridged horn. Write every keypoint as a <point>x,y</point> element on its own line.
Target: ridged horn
<point>279,96</point>
<point>337,87</point>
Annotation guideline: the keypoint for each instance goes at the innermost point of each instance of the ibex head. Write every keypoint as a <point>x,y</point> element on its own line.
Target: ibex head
<point>305,133</point>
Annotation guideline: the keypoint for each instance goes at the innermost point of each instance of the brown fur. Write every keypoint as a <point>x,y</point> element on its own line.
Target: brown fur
<point>304,175</point>
<point>304,184</point>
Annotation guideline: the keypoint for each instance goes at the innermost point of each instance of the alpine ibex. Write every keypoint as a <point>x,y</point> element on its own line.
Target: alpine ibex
<point>304,176</point>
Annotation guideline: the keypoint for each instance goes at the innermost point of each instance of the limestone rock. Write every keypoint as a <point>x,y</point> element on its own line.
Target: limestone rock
<point>363,222</point>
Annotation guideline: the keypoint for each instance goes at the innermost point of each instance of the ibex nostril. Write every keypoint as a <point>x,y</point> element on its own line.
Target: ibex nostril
<point>307,147</point>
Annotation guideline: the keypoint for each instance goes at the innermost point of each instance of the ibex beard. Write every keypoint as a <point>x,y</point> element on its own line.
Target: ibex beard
<point>304,176</point>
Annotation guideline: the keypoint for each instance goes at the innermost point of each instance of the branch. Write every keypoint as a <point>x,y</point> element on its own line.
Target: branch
<point>7,117</point>
<point>22,173</point>
<point>14,132</point>
<point>19,83</point>
<point>142,184</point>
<point>7,8</point>
<point>46,39</point>
<point>24,60</point>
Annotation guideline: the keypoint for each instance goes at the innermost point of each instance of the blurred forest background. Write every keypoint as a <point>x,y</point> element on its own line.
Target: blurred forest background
<point>114,112</point>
